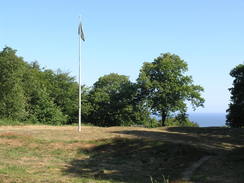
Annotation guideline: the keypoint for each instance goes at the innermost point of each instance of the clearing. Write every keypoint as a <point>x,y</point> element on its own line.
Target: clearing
<point>36,154</point>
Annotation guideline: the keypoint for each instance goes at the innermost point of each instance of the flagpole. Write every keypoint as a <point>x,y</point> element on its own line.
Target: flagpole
<point>79,126</point>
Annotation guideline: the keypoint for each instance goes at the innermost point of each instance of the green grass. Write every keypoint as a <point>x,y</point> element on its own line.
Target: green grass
<point>13,169</point>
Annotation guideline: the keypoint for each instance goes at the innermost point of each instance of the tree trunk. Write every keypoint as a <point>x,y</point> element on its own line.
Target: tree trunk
<point>163,118</point>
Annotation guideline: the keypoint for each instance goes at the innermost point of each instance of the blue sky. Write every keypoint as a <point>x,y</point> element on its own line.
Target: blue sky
<point>121,35</point>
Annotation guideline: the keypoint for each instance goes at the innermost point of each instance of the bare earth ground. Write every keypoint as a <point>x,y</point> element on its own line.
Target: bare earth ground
<point>120,154</point>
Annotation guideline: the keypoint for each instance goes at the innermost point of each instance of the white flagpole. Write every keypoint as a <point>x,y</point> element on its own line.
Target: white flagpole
<point>79,126</point>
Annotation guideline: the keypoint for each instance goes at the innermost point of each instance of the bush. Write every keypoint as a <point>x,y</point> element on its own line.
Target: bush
<point>178,123</point>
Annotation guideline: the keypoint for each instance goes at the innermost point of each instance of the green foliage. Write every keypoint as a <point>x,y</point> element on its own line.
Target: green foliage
<point>151,123</point>
<point>25,93</point>
<point>112,98</point>
<point>86,106</point>
<point>44,110</point>
<point>235,117</point>
<point>4,122</point>
<point>173,121</point>
<point>165,87</point>
<point>63,89</point>
<point>176,122</point>
<point>29,93</point>
<point>12,97</point>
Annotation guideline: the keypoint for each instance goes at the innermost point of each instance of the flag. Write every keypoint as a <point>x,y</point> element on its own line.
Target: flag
<point>80,32</point>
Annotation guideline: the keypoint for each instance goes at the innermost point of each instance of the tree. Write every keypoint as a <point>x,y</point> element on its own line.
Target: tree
<point>31,93</point>
<point>63,89</point>
<point>166,87</point>
<point>112,98</point>
<point>235,117</point>
<point>41,106</point>
<point>12,96</point>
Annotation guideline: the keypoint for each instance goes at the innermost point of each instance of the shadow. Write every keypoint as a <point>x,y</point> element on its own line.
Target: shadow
<point>222,135</point>
<point>228,167</point>
<point>209,130</point>
<point>134,160</point>
<point>217,140</point>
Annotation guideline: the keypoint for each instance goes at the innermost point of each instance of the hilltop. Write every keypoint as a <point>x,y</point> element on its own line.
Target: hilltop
<point>120,154</point>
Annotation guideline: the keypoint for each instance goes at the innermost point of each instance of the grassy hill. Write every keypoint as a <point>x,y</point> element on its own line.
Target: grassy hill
<point>120,154</point>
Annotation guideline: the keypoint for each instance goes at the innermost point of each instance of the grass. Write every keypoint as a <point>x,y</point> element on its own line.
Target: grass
<point>135,160</point>
<point>119,154</point>
<point>165,180</point>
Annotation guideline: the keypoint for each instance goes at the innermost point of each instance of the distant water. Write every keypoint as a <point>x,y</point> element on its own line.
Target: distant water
<point>208,119</point>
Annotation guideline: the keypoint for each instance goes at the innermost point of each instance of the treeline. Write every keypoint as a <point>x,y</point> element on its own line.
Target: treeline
<point>29,93</point>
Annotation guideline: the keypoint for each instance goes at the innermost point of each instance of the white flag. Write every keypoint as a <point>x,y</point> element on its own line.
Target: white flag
<point>80,32</point>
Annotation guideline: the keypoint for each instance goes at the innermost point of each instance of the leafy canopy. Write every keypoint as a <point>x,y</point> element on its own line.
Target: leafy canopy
<point>166,87</point>
<point>112,97</point>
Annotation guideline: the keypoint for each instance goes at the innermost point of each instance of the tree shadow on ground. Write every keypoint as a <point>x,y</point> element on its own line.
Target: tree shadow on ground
<point>210,131</point>
<point>134,160</point>
<point>215,135</point>
<point>225,168</point>
<point>217,140</point>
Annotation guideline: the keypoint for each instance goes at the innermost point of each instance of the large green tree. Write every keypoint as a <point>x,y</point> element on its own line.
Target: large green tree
<point>63,89</point>
<point>235,117</point>
<point>28,93</point>
<point>12,96</point>
<point>113,101</point>
<point>41,106</point>
<point>166,87</point>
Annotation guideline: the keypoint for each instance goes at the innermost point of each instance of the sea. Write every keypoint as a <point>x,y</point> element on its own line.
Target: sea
<point>208,119</point>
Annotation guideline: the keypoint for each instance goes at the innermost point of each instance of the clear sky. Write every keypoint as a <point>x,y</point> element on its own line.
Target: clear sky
<point>121,35</point>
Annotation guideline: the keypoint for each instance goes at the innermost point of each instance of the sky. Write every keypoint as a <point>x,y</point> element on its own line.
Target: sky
<point>121,35</point>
